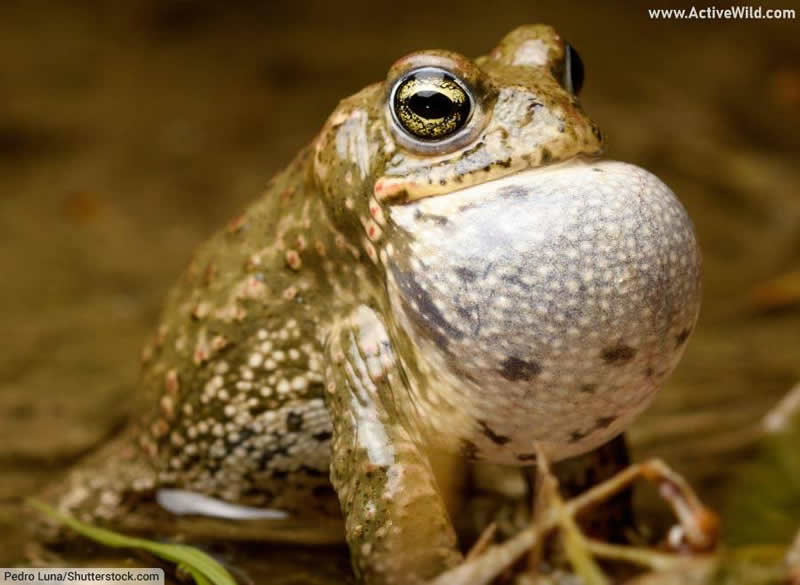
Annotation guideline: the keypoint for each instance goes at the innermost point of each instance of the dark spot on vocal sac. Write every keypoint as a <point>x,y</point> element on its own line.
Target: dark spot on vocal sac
<point>526,457</point>
<point>465,274</point>
<point>588,388</point>
<point>618,355</point>
<point>515,369</point>
<point>597,170</point>
<point>443,182</point>
<point>512,192</point>
<point>427,314</point>
<point>681,337</point>
<point>547,156</point>
<point>493,437</point>
<point>463,312</point>
<point>469,449</point>
<point>294,422</point>
<point>437,219</point>
<point>504,163</point>
<point>515,280</point>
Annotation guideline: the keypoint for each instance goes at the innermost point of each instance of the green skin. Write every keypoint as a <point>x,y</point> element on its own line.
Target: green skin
<point>279,369</point>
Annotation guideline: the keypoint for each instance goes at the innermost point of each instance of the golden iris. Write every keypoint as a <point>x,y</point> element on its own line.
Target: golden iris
<point>430,104</point>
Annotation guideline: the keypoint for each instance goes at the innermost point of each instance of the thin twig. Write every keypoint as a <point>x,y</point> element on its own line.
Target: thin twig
<point>539,500</point>
<point>574,542</point>
<point>490,564</point>
<point>482,543</point>
<point>645,557</point>
<point>780,415</point>
<point>697,522</point>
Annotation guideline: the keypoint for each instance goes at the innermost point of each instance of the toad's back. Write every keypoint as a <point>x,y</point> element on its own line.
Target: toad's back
<point>234,374</point>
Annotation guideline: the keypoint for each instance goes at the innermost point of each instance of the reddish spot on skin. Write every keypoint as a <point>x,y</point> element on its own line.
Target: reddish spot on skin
<point>159,428</point>
<point>287,194</point>
<point>388,187</point>
<point>293,259</point>
<point>150,448</point>
<point>255,288</point>
<point>372,229</point>
<point>200,356</point>
<point>376,212</point>
<point>171,382</point>
<point>236,224</point>
<point>218,343</point>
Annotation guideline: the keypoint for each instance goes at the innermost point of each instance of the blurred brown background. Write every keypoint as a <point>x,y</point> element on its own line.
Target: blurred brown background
<point>130,130</point>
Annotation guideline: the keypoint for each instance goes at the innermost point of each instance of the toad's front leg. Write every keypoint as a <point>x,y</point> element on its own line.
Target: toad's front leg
<point>397,525</point>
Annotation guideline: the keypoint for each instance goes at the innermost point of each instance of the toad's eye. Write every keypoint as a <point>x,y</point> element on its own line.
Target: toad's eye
<point>430,104</point>
<point>573,70</point>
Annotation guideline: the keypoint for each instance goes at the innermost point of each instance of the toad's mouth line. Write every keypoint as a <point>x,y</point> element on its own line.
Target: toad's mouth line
<point>403,191</point>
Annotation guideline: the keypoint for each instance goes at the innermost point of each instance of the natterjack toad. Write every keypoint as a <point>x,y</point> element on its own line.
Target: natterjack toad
<point>449,268</point>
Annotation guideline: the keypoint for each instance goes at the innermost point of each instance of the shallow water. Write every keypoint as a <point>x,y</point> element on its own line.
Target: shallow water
<point>128,134</point>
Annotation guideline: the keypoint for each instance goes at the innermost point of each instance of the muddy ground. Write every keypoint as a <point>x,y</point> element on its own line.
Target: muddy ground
<point>129,131</point>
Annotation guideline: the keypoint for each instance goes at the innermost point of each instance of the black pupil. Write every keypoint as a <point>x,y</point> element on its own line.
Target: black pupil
<point>575,69</point>
<point>430,104</point>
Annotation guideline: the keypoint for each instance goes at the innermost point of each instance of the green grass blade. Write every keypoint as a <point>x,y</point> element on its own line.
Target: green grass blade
<point>202,567</point>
